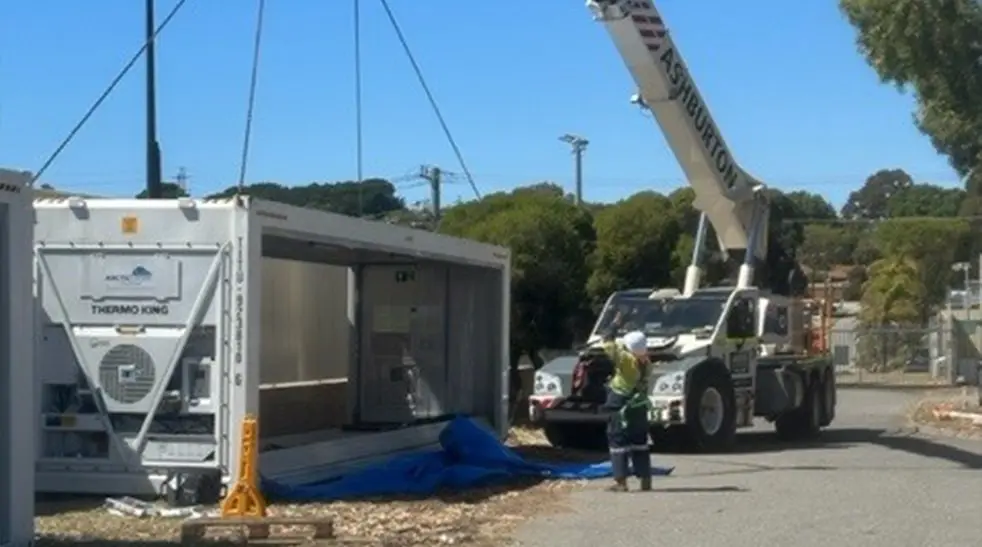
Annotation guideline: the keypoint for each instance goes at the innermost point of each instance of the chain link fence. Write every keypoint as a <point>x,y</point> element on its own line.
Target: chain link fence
<point>891,355</point>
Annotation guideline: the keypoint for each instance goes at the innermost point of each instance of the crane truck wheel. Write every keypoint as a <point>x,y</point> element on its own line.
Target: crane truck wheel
<point>805,421</point>
<point>828,397</point>
<point>576,436</point>
<point>556,434</point>
<point>710,410</point>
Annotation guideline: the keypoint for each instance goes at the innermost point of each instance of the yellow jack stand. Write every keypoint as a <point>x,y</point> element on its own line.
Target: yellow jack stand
<point>245,499</point>
<point>245,507</point>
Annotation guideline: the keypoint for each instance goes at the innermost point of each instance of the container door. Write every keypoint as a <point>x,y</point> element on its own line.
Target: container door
<point>5,387</point>
<point>428,327</point>
<point>387,368</point>
<point>403,343</point>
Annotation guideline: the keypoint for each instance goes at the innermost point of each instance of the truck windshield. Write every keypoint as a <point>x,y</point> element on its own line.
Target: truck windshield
<point>659,317</point>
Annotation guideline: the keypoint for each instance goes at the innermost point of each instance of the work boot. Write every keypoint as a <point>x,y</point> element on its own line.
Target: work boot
<point>641,461</point>
<point>620,485</point>
<point>618,465</point>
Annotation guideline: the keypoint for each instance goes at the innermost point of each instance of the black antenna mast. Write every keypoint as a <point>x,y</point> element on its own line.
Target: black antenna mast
<point>155,185</point>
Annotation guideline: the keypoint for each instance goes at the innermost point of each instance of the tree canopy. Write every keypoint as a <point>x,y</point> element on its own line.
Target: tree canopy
<point>634,238</point>
<point>931,48</point>
<point>374,198</point>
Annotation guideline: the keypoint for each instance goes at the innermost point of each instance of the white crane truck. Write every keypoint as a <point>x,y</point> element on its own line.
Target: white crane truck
<point>720,356</point>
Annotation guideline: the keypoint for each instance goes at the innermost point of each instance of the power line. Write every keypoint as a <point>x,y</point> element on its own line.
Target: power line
<point>183,180</point>
<point>429,97</point>
<point>253,82</point>
<point>105,94</point>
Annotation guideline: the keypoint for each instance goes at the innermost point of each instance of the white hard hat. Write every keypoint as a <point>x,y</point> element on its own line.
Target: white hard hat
<point>636,342</point>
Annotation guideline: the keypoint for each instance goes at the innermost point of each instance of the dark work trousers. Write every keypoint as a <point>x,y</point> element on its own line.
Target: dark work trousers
<point>627,437</point>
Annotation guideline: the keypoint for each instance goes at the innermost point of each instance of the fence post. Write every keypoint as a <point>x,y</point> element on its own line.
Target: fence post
<point>953,342</point>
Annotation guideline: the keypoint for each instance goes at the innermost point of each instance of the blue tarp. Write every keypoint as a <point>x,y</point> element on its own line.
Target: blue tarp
<point>469,457</point>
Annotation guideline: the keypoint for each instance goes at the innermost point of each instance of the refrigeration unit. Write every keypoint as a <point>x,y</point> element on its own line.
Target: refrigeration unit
<point>153,345</point>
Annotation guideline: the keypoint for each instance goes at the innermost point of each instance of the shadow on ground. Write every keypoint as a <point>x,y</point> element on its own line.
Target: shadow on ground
<point>473,496</point>
<point>549,454</point>
<point>903,440</point>
<point>698,490</point>
<point>872,386</point>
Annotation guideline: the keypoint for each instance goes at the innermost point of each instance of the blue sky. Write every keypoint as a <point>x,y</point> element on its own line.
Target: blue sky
<point>797,104</point>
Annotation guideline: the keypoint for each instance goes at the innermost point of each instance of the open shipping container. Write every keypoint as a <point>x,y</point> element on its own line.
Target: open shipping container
<point>165,322</point>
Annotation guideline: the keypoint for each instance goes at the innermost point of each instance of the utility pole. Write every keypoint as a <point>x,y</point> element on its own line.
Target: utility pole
<point>434,176</point>
<point>183,179</point>
<point>578,145</point>
<point>155,186</point>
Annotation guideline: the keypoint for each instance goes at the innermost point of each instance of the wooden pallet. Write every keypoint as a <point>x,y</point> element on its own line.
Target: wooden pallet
<point>193,530</point>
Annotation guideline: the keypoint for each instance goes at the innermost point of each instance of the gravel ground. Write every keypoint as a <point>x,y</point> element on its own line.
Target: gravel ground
<point>483,517</point>
<point>873,481</point>
<point>929,413</point>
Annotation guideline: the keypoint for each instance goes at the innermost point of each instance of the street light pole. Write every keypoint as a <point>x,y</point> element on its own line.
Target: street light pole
<point>578,145</point>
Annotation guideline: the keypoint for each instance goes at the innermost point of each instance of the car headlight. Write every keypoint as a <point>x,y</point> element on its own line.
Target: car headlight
<point>670,384</point>
<point>547,384</point>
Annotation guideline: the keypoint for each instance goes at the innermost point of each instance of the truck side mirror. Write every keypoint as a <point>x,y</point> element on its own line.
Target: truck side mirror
<point>740,321</point>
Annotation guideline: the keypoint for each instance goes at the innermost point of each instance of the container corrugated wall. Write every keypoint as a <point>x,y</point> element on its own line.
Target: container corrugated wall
<point>305,344</point>
<point>306,333</point>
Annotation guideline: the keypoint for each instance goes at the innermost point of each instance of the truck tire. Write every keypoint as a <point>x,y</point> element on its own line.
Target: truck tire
<point>805,421</point>
<point>829,397</point>
<point>710,410</point>
<point>576,436</point>
<point>556,434</point>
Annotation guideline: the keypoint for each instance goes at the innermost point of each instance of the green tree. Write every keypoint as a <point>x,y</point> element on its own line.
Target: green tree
<point>932,48</point>
<point>925,200</point>
<point>865,252</point>
<point>930,243</point>
<point>635,241</point>
<point>811,206</point>
<point>853,289</point>
<point>714,262</point>
<point>891,312</point>
<point>872,200</point>
<point>373,198</point>
<point>824,246</point>
<point>551,241</point>
<point>687,215</point>
<point>714,267</point>
<point>781,272</point>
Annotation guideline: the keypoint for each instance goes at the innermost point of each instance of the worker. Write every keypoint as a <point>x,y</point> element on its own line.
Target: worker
<point>627,403</point>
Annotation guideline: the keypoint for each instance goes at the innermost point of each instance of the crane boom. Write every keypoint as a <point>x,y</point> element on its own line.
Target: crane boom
<point>729,197</point>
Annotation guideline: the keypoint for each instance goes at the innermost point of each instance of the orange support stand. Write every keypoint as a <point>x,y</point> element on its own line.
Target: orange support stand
<point>245,499</point>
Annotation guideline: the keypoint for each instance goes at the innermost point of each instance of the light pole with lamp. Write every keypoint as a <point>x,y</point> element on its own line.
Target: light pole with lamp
<point>578,145</point>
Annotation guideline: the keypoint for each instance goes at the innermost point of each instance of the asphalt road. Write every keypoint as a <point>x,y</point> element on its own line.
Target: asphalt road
<point>871,481</point>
